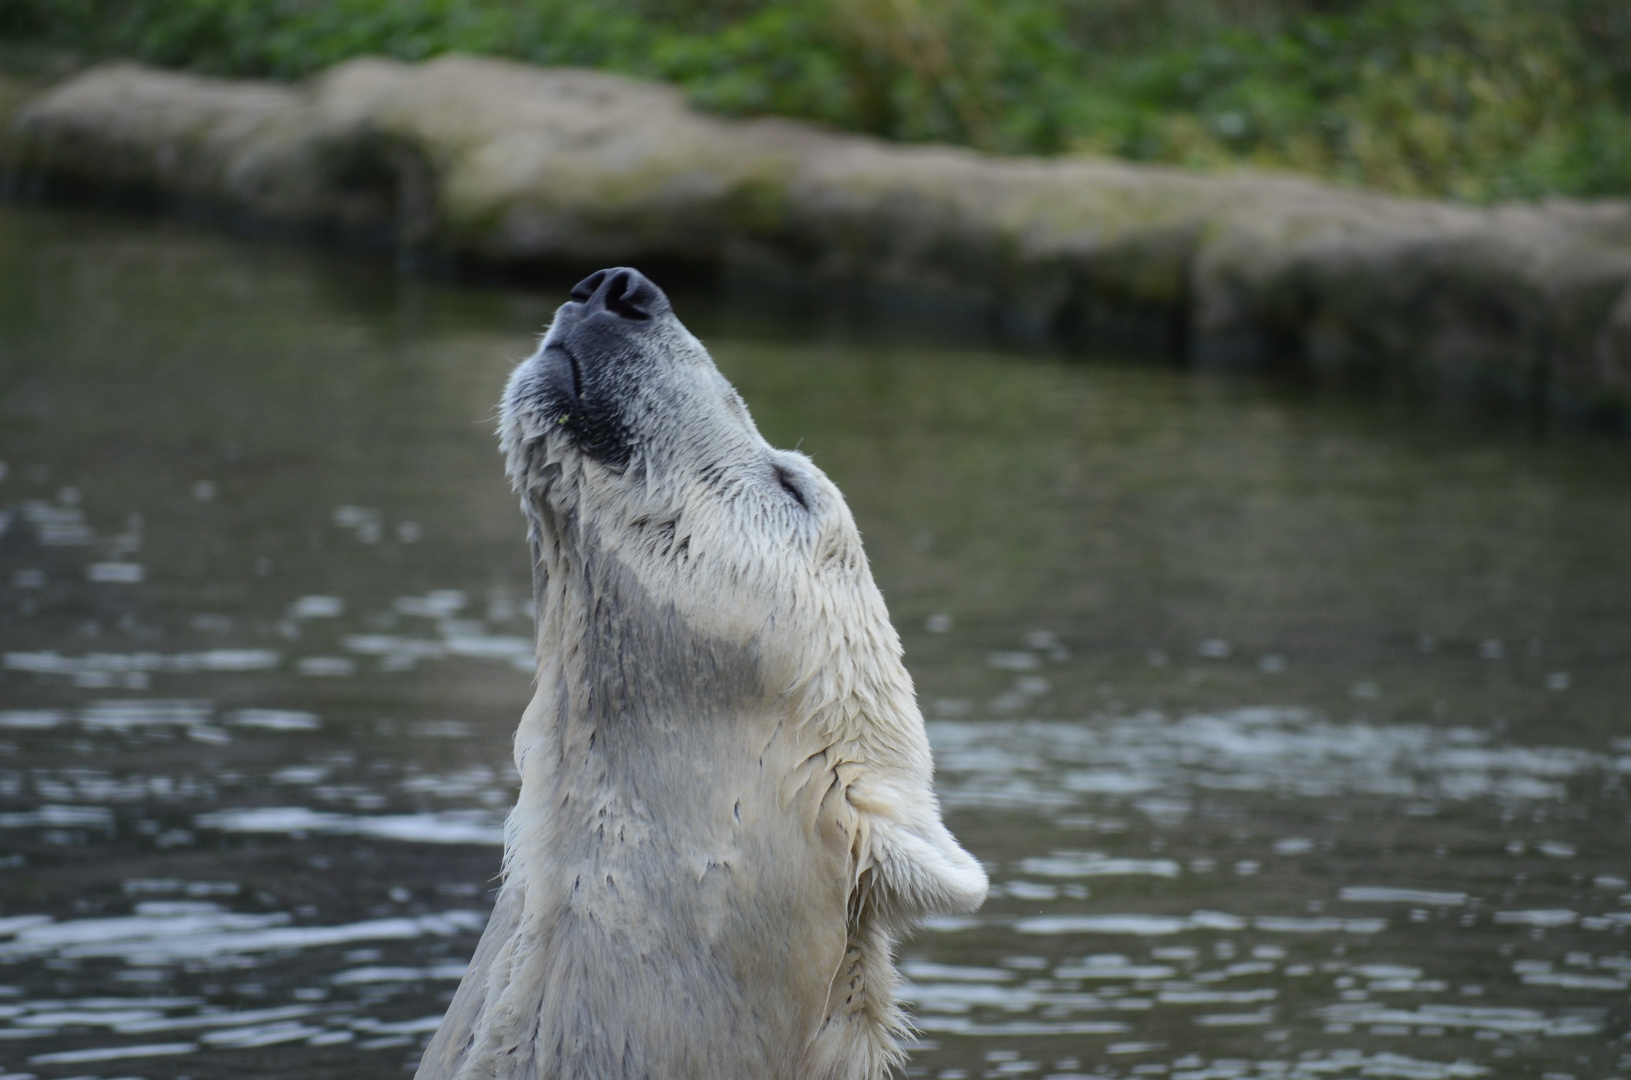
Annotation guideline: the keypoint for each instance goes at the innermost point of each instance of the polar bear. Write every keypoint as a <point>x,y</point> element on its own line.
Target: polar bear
<point>725,817</point>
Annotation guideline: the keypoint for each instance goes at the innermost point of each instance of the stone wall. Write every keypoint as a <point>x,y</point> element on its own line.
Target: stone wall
<point>486,161</point>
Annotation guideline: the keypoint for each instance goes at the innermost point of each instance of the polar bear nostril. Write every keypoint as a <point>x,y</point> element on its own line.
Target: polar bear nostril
<point>631,295</point>
<point>584,290</point>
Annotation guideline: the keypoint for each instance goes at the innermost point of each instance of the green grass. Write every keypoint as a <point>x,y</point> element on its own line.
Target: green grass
<point>1474,99</point>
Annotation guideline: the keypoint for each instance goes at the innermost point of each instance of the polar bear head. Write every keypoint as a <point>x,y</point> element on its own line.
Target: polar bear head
<point>631,450</point>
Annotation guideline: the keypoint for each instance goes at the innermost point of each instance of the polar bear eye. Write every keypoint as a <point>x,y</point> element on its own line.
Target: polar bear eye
<point>785,479</point>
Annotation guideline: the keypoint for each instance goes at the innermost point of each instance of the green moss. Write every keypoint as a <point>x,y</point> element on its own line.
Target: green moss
<point>1474,99</point>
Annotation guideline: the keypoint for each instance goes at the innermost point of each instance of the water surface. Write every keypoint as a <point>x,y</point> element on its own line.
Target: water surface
<point>1290,729</point>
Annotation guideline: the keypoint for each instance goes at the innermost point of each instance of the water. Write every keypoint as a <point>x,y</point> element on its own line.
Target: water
<point>1292,730</point>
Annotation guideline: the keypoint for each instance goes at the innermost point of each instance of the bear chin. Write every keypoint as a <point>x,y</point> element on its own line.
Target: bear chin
<point>726,816</point>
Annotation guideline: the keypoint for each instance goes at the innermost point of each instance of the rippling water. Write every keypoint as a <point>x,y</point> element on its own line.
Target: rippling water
<point>1292,731</point>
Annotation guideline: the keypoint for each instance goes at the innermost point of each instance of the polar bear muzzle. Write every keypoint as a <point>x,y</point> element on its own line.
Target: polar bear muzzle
<point>595,357</point>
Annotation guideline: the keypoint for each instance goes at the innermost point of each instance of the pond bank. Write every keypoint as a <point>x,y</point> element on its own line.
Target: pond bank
<point>491,163</point>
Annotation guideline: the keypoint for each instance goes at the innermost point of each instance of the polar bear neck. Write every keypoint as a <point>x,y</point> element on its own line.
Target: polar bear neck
<point>651,614</point>
<point>661,775</point>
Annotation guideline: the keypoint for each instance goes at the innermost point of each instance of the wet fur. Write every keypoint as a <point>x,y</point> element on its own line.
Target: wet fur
<point>725,817</point>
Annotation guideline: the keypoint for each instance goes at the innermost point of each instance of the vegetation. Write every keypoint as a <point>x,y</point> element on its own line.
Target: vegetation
<point>1475,99</point>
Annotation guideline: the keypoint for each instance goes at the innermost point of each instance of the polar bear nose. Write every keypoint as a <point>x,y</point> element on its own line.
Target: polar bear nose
<point>622,291</point>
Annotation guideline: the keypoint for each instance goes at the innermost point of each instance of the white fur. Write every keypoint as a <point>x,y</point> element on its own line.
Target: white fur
<point>726,815</point>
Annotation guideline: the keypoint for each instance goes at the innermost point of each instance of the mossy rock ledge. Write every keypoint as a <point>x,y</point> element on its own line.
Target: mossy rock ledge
<point>488,161</point>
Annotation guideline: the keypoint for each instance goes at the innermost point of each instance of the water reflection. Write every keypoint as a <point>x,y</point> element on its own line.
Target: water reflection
<point>1290,732</point>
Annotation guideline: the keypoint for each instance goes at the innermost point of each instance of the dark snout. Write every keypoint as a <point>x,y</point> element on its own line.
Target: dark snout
<point>622,293</point>
<point>596,355</point>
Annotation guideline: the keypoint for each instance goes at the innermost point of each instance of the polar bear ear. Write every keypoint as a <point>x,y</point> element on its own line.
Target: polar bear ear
<point>926,872</point>
<point>918,867</point>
